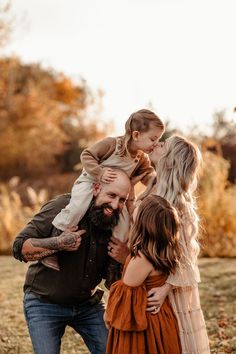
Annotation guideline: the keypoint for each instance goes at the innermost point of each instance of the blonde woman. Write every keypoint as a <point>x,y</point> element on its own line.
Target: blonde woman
<point>177,162</point>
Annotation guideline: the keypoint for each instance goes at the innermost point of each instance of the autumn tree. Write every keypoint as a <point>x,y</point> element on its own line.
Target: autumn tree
<point>222,140</point>
<point>41,113</point>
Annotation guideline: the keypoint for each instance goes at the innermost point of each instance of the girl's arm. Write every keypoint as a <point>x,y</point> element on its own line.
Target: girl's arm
<point>137,271</point>
<point>94,155</point>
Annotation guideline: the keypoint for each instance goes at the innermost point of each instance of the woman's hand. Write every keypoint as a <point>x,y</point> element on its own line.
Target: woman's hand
<point>118,250</point>
<point>156,297</point>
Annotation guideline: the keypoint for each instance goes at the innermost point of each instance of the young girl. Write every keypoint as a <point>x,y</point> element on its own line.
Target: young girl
<point>154,255</point>
<point>177,162</point>
<point>129,153</point>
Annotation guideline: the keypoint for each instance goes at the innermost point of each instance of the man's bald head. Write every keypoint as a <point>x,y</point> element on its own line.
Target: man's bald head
<point>122,179</point>
<point>114,193</point>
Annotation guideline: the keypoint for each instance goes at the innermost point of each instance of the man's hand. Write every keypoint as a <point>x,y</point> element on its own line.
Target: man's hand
<point>69,240</point>
<point>156,297</point>
<point>109,175</point>
<point>118,250</point>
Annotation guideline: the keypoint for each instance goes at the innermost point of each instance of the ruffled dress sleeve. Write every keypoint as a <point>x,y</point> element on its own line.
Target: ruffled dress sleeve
<point>126,308</point>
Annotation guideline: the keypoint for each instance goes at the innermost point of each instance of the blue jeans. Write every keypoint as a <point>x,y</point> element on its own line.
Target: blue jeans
<point>47,323</point>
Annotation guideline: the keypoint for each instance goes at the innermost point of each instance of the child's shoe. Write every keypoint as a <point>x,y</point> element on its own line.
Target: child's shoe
<point>51,262</point>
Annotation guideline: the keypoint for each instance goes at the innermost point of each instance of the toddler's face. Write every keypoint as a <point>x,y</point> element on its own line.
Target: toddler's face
<point>148,140</point>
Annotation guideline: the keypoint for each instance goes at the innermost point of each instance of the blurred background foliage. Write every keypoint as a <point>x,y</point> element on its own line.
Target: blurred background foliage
<point>46,120</point>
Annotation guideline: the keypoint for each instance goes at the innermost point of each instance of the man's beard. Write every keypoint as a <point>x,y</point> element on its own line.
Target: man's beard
<point>98,218</point>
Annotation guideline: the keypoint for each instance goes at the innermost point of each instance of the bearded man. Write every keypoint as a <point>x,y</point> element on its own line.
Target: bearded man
<point>70,297</point>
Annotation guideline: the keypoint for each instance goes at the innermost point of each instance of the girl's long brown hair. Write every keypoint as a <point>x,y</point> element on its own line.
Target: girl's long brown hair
<point>155,233</point>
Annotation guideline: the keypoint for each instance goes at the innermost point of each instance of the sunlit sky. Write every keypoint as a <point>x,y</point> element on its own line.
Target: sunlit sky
<point>177,54</point>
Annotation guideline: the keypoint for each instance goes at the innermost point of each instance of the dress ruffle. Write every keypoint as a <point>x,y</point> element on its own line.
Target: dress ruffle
<point>133,329</point>
<point>126,308</point>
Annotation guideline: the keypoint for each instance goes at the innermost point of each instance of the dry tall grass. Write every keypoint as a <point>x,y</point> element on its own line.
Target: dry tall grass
<point>13,213</point>
<point>217,208</point>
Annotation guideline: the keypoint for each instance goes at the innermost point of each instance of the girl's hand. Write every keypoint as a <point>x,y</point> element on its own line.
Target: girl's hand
<point>156,297</point>
<point>108,175</point>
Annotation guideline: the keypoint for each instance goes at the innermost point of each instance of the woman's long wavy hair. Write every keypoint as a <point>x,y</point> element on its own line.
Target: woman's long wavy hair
<point>142,121</point>
<point>177,175</point>
<point>155,233</point>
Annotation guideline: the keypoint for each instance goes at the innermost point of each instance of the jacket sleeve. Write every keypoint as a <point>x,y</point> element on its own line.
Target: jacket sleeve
<point>94,155</point>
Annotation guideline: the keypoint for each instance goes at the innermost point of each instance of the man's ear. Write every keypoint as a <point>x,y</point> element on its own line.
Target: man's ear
<point>135,135</point>
<point>96,188</point>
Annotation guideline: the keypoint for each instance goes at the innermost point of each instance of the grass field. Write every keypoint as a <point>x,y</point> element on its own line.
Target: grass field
<point>218,298</point>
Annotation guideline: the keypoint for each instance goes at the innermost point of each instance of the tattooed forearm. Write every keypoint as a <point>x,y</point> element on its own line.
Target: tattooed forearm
<point>35,248</point>
<point>50,243</point>
<point>29,256</point>
<point>67,241</point>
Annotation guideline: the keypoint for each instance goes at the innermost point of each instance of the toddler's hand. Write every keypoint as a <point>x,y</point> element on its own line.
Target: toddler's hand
<point>108,176</point>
